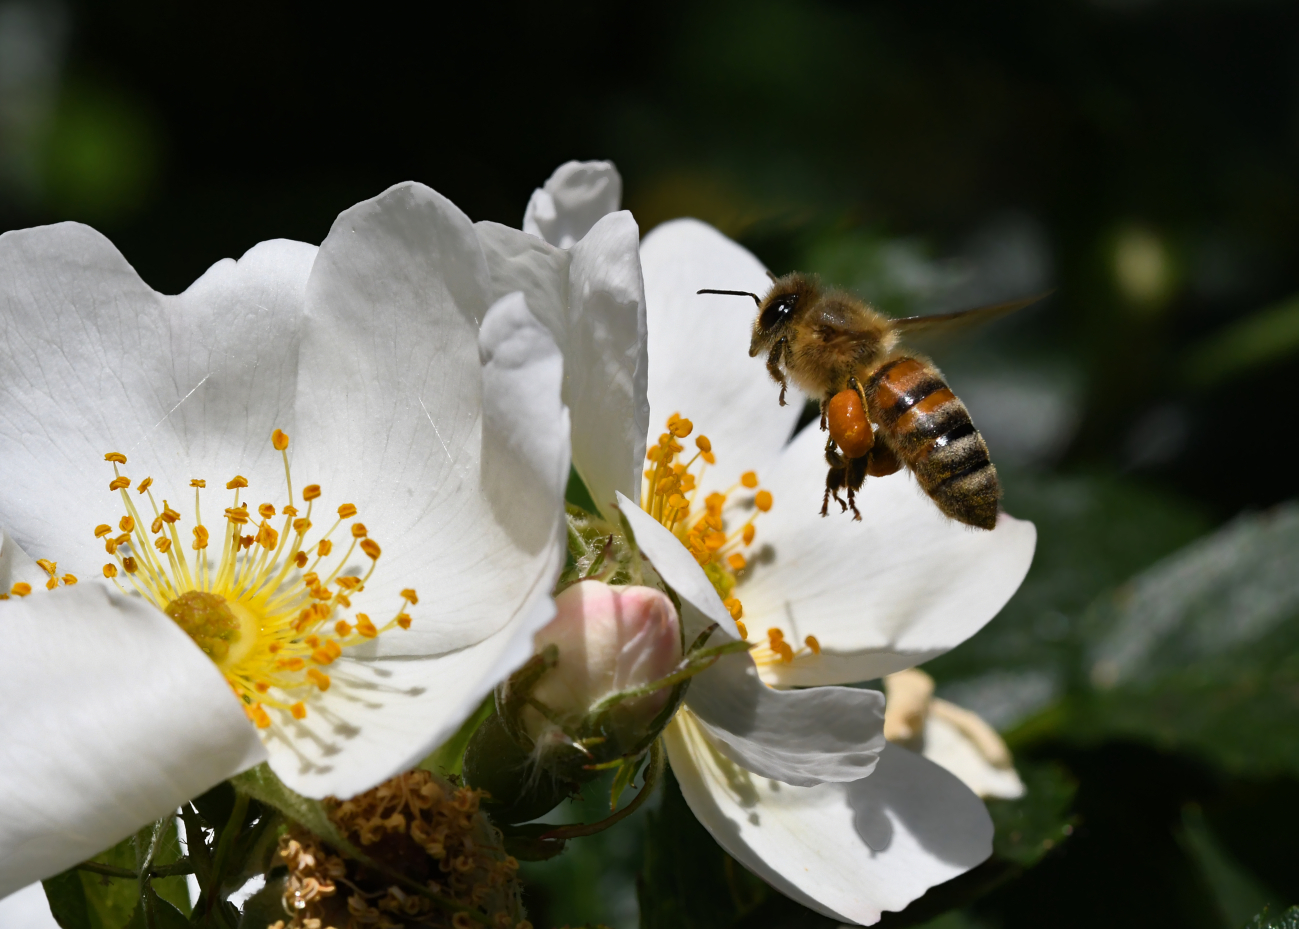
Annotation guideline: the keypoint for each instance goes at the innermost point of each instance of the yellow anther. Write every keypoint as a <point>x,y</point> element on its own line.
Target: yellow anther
<point>403,620</point>
<point>775,635</point>
<point>52,583</point>
<point>744,632</point>
<point>749,533</point>
<point>126,524</point>
<point>200,538</point>
<point>115,457</point>
<point>69,579</point>
<point>762,500</point>
<point>267,537</point>
<point>300,559</point>
<point>365,627</point>
<point>198,482</point>
<point>666,486</point>
<point>289,510</point>
<point>687,482</point>
<point>703,444</point>
<point>118,483</point>
<point>347,511</point>
<point>238,515</point>
<point>123,538</point>
<point>110,546</point>
<point>708,457</point>
<point>311,578</point>
<point>259,717</point>
<point>681,428</point>
<point>311,492</point>
<point>812,643</point>
<point>49,567</point>
<point>128,563</point>
<point>736,561</point>
<point>342,628</point>
<point>162,543</point>
<point>144,485</point>
<point>168,514</point>
<point>266,510</point>
<point>715,501</point>
<point>735,608</point>
<point>324,548</point>
<point>261,686</point>
<point>678,502</point>
<point>21,589</point>
<point>786,652</point>
<point>348,581</point>
<point>238,481</point>
<point>749,479</point>
<point>246,541</point>
<point>714,541</point>
<point>110,570</point>
<point>301,525</point>
<point>280,441</point>
<point>290,664</point>
<point>156,527</point>
<point>322,657</point>
<point>319,678</point>
<point>358,530</point>
<point>102,530</point>
<point>299,709</point>
<point>371,548</point>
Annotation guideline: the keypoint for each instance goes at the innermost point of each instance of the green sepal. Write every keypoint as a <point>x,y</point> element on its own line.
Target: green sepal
<point>448,759</point>
<point>517,789</point>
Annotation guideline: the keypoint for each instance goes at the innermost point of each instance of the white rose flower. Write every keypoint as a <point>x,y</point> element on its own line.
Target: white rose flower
<point>778,776</point>
<point>419,399</point>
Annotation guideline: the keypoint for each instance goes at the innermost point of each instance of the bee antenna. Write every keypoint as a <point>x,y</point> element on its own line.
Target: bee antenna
<point>732,293</point>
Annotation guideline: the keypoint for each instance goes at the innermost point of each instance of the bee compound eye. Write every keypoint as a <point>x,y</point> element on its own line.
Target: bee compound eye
<point>778,311</point>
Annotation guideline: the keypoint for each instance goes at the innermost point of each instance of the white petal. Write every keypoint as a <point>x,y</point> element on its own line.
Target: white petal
<point>383,715</point>
<point>803,737</point>
<point>16,566</point>
<point>122,719</point>
<point>27,909</point>
<point>572,200</point>
<point>850,850</point>
<point>92,360</point>
<point>945,744</point>
<point>699,349</point>
<point>896,589</point>
<point>606,365</point>
<point>678,568</point>
<point>592,300</point>
<point>484,539</point>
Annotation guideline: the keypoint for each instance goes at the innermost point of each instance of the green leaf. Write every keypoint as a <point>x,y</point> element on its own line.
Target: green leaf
<point>1201,652</point>
<point>1031,826</point>
<point>68,903</point>
<point>153,912</point>
<point>687,880</point>
<point>1287,920</point>
<point>1267,336</point>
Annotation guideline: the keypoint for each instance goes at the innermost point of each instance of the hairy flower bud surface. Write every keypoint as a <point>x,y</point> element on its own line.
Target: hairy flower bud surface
<point>609,639</point>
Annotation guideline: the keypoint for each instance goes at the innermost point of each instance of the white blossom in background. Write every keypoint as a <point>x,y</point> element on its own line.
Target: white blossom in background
<point>779,776</point>
<point>405,386</point>
<point>949,735</point>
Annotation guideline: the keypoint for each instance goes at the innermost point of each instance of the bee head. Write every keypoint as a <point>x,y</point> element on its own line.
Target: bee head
<point>789,296</point>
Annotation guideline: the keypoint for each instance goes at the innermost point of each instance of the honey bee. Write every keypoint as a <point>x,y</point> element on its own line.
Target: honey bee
<point>883,406</point>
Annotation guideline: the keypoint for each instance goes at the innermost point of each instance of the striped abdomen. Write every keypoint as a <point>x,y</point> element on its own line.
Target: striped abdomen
<point>931,431</point>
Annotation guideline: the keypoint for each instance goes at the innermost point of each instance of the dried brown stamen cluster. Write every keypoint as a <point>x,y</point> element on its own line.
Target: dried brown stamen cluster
<point>417,825</point>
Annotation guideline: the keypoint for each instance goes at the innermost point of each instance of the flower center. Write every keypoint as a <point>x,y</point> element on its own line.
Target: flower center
<point>270,626</point>
<point>670,494</point>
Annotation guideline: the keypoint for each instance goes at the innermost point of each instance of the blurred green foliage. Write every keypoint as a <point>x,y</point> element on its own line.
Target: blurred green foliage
<point>1136,155</point>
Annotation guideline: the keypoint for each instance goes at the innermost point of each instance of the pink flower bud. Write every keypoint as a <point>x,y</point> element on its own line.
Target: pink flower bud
<point>610,639</point>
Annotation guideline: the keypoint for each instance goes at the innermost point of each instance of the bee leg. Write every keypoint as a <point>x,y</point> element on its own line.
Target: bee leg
<point>835,477</point>
<point>773,367</point>
<point>882,460</point>
<point>854,477</point>
<point>824,403</point>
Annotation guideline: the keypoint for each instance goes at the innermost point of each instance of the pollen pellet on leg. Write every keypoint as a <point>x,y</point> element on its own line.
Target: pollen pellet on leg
<point>849,427</point>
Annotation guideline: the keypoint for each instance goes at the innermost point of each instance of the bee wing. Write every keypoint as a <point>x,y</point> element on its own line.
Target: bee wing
<point>945,323</point>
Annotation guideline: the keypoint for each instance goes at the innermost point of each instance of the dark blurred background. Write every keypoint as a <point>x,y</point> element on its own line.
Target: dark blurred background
<point>1139,157</point>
